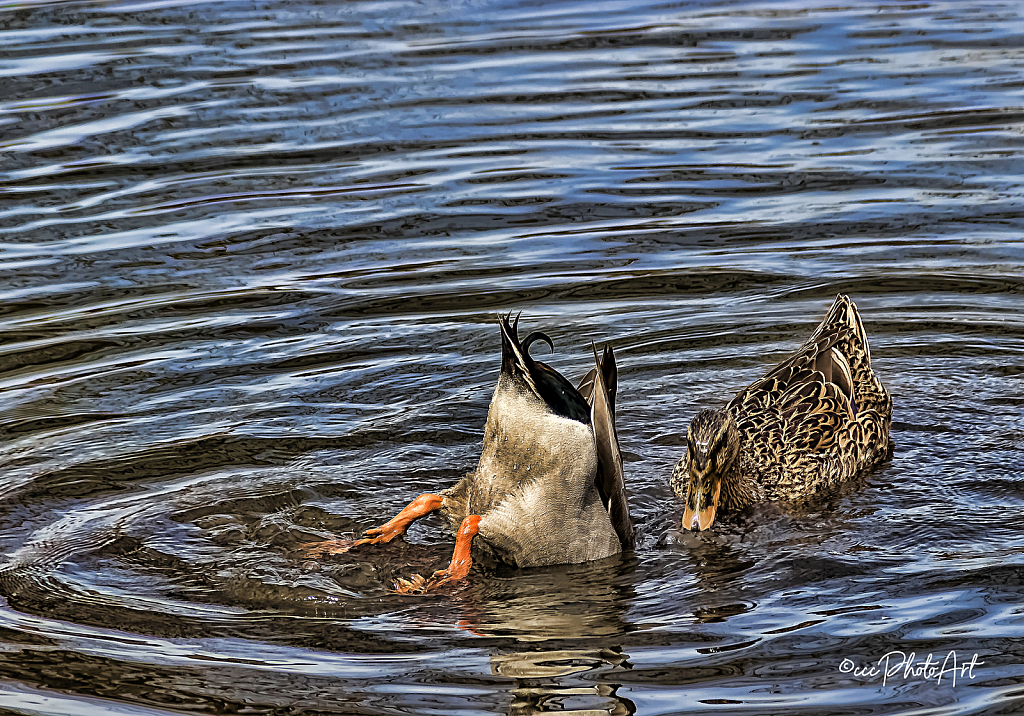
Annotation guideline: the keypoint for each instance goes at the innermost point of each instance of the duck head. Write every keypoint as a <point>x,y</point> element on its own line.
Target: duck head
<point>712,451</point>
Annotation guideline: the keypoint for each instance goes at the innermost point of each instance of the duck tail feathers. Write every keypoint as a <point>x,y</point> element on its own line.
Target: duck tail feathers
<point>515,358</point>
<point>610,374</point>
<point>538,378</point>
<point>611,479</point>
<point>844,321</point>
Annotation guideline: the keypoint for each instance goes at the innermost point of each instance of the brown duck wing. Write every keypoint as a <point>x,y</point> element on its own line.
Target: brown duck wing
<point>611,480</point>
<point>800,437</point>
<point>609,373</point>
<point>821,414</point>
<point>837,349</point>
<point>843,331</point>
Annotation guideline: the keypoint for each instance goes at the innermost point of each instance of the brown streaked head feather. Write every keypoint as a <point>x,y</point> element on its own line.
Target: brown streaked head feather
<point>712,451</point>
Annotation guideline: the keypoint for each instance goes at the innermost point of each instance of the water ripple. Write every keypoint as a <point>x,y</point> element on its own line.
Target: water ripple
<point>250,264</point>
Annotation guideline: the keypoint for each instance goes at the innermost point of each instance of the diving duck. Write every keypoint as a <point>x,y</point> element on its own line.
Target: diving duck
<point>817,418</point>
<point>549,487</point>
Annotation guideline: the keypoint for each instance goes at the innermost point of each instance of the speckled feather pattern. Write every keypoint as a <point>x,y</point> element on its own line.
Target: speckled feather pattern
<point>818,418</point>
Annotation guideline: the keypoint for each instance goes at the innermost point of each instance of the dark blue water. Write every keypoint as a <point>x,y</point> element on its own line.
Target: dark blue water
<point>251,261</point>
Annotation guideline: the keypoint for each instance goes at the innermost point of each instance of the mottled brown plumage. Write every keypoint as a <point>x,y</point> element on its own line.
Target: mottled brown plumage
<point>816,419</point>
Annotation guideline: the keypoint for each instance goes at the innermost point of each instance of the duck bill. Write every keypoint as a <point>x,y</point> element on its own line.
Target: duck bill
<point>703,517</point>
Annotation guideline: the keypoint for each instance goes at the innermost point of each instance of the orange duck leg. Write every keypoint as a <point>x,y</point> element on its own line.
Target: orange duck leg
<point>457,570</point>
<point>422,505</point>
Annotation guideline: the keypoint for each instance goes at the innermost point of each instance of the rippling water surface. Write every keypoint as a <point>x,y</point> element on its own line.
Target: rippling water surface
<point>251,260</point>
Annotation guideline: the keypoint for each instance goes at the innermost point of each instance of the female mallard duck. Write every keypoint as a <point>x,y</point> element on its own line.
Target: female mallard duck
<point>549,487</point>
<point>814,420</point>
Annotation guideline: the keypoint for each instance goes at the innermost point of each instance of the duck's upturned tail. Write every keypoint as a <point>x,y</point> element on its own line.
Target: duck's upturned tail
<point>536,377</point>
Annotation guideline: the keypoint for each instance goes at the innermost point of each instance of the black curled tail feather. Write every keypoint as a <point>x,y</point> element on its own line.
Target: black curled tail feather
<point>539,378</point>
<point>536,336</point>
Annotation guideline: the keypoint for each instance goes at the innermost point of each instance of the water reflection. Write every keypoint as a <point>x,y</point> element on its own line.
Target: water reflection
<point>582,601</point>
<point>557,681</point>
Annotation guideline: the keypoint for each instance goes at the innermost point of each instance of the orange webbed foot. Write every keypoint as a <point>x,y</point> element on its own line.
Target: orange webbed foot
<point>457,570</point>
<point>414,585</point>
<point>418,585</point>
